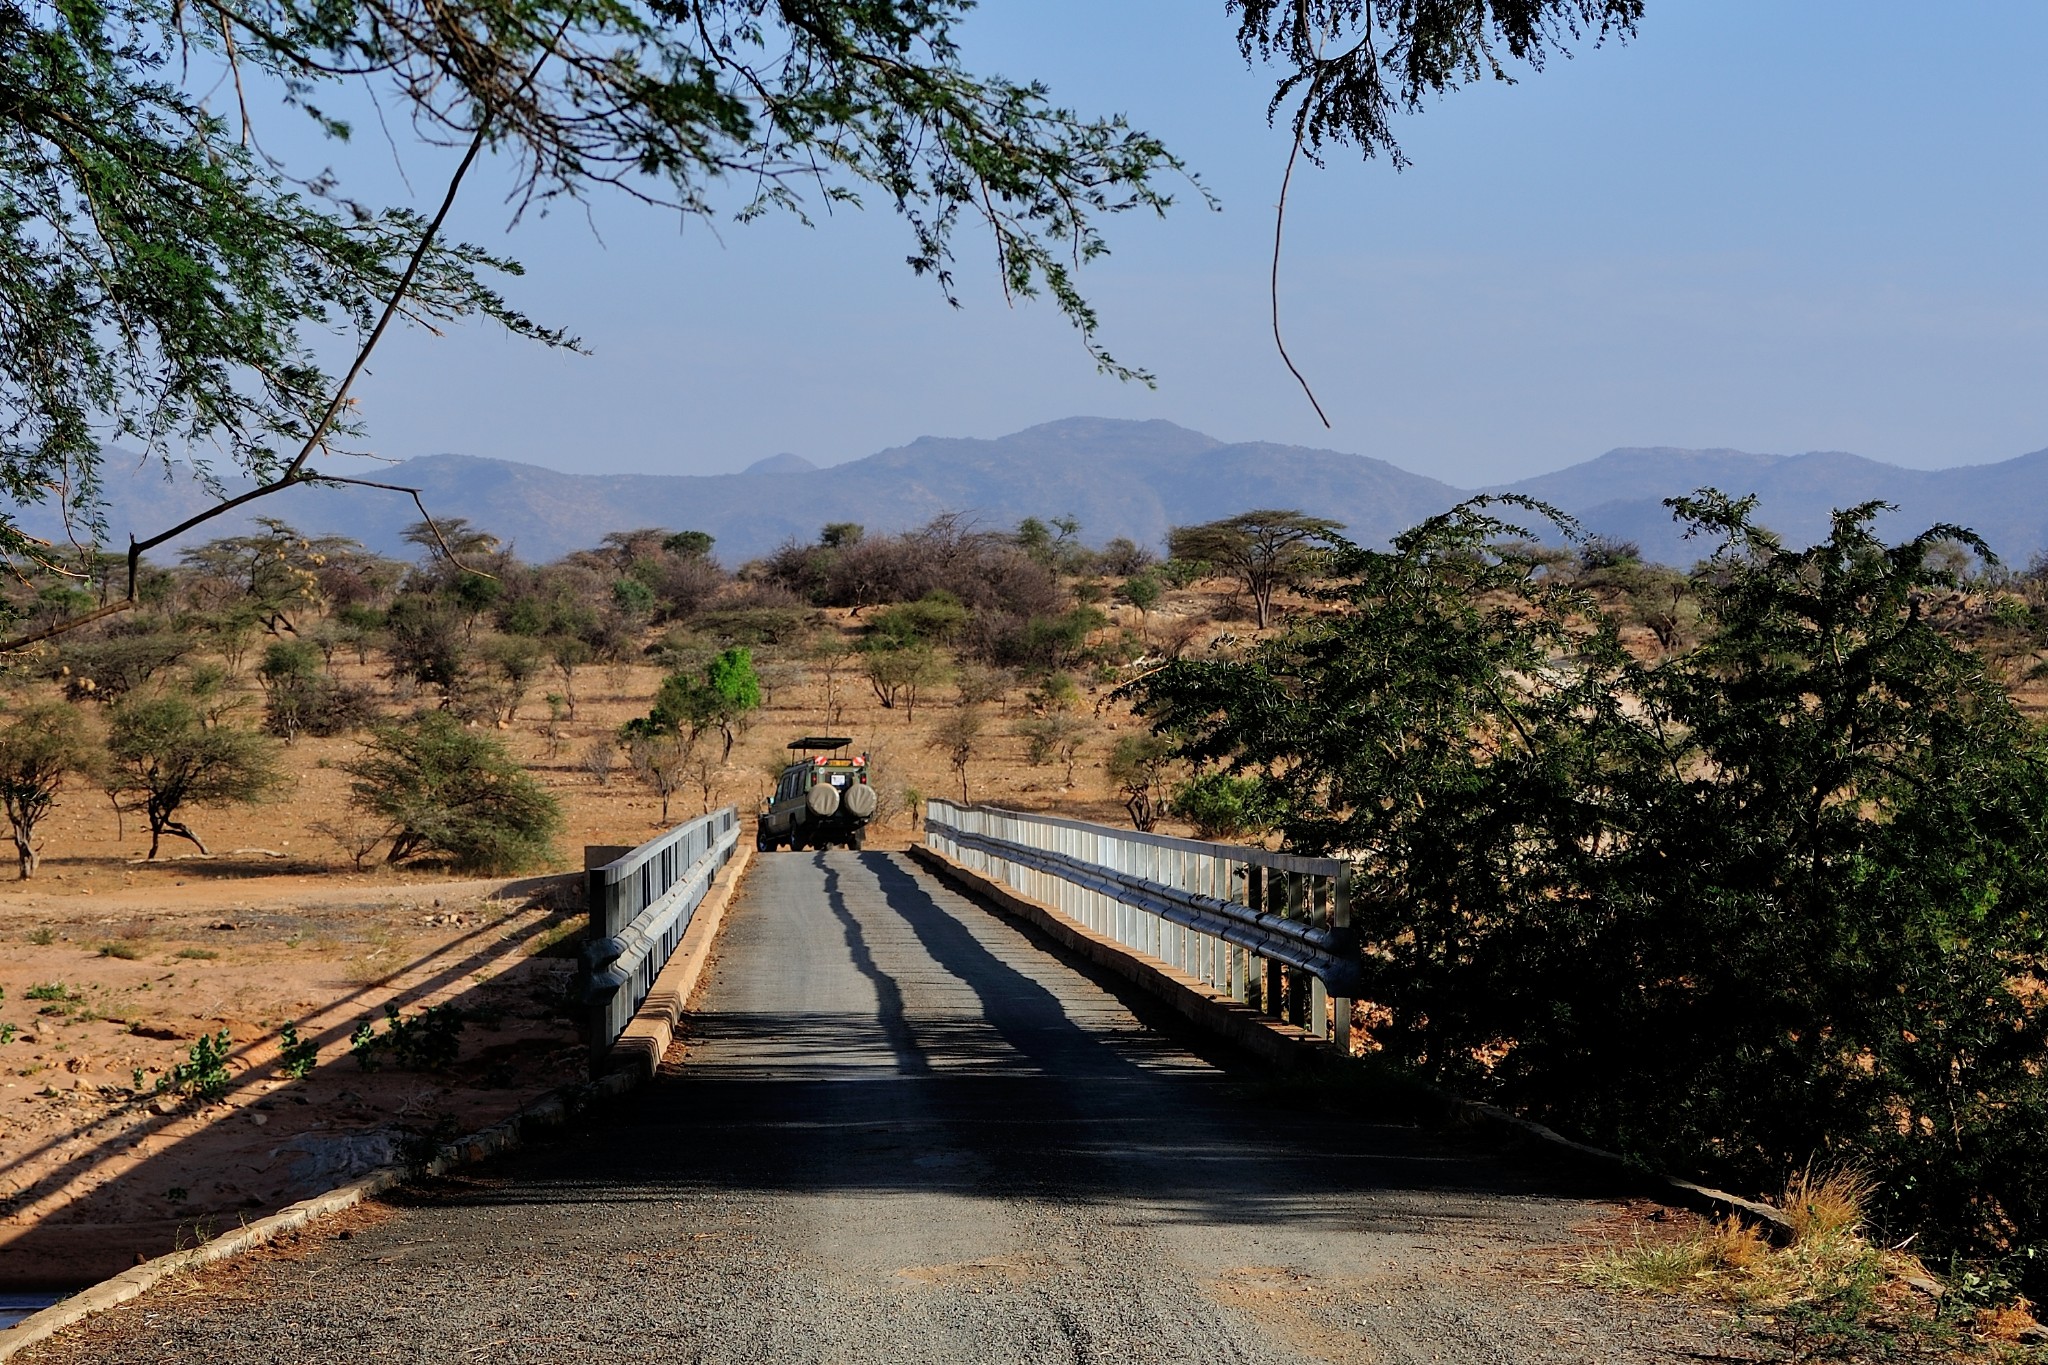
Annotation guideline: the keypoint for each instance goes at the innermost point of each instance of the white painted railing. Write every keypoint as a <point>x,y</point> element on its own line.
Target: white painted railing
<point>1241,920</point>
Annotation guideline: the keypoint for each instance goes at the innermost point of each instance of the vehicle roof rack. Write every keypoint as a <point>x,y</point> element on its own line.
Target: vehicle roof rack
<point>809,742</point>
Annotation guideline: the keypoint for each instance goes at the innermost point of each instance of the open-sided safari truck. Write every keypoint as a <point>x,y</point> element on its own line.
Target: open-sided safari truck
<point>823,798</point>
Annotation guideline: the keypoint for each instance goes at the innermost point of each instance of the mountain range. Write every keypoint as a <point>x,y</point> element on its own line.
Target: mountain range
<point>1118,478</point>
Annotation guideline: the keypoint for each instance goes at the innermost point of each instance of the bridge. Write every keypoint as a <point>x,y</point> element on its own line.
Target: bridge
<point>914,1118</point>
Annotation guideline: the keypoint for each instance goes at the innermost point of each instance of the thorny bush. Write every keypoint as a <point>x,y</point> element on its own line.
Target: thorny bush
<point>1773,901</point>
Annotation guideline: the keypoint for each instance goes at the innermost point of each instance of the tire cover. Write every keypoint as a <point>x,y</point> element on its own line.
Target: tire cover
<point>823,800</point>
<point>860,801</point>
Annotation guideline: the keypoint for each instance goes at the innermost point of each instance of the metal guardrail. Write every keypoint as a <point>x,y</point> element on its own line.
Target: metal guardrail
<point>1242,920</point>
<point>640,906</point>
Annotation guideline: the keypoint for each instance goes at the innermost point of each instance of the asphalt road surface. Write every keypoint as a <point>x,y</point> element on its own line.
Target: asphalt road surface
<point>907,1133</point>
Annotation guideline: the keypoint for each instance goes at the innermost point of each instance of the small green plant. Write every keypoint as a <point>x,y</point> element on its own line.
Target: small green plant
<point>135,1080</point>
<point>427,1041</point>
<point>204,1072</point>
<point>296,1057</point>
<point>1224,806</point>
<point>198,954</point>
<point>558,940</point>
<point>127,952</point>
<point>365,1044</point>
<point>55,991</point>
<point>7,1032</point>
<point>42,937</point>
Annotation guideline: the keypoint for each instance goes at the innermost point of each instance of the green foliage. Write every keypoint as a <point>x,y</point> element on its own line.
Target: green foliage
<point>632,599</point>
<point>1044,641</point>
<point>1054,738</point>
<point>363,1045</point>
<point>689,544</point>
<point>1143,590</point>
<point>430,1040</point>
<point>40,747</point>
<point>1224,806</point>
<point>934,619</point>
<point>166,752</point>
<point>1056,546</point>
<point>296,1057</point>
<point>55,991</point>
<point>731,679</point>
<point>426,641</point>
<point>756,626</point>
<point>109,669</point>
<point>204,1072</point>
<point>1054,692</point>
<point>1774,899</point>
<point>449,790</point>
<point>728,690</point>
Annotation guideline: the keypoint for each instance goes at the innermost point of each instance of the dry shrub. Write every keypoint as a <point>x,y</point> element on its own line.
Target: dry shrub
<point>1827,1203</point>
<point>1826,1261</point>
<point>2012,1323</point>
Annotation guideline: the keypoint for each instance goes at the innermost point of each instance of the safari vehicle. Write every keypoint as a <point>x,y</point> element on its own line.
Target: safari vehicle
<point>821,800</point>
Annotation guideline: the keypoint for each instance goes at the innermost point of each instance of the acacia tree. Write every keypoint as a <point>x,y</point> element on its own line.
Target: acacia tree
<point>162,278</point>
<point>661,762</point>
<point>1264,549</point>
<point>171,755</point>
<point>42,746</point>
<point>445,789</point>
<point>959,737</point>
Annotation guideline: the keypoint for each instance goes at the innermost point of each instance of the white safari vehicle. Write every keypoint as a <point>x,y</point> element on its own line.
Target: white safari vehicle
<point>823,798</point>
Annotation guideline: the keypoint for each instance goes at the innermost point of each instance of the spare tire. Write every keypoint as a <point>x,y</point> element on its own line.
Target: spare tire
<point>823,800</point>
<point>860,801</point>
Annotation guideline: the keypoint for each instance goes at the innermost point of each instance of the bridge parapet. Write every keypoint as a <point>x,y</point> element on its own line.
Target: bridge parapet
<point>640,907</point>
<point>1230,916</point>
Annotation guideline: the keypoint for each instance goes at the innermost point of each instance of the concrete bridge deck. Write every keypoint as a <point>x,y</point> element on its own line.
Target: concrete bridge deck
<point>906,1133</point>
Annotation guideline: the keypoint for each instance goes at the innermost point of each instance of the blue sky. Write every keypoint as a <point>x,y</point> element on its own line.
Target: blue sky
<point>1776,225</point>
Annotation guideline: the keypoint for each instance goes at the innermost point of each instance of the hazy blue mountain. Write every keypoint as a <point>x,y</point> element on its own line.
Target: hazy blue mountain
<point>1119,478</point>
<point>785,463</point>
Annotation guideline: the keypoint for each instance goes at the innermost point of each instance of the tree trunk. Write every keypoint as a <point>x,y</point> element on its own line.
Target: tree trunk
<point>25,848</point>
<point>180,829</point>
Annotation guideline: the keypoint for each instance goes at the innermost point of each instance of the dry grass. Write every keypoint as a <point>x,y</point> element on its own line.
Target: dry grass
<point>1827,1289</point>
<point>1827,1258</point>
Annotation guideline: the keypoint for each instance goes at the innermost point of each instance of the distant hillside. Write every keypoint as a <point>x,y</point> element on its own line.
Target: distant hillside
<point>1621,494</point>
<point>1118,478</point>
